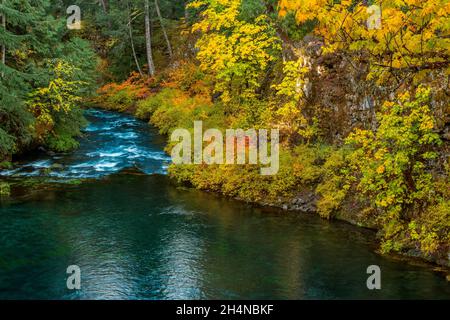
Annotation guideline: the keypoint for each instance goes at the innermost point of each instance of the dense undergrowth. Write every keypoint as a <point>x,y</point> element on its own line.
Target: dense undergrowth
<point>387,170</point>
<point>44,73</point>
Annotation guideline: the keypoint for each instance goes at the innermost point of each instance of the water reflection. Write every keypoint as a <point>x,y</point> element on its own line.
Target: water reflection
<point>139,237</point>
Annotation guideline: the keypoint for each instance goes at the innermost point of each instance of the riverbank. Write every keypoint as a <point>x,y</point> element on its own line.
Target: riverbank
<point>136,222</point>
<point>301,186</point>
<point>362,142</point>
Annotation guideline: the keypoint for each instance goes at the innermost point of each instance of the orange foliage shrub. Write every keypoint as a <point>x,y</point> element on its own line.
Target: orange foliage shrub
<point>122,97</point>
<point>188,77</point>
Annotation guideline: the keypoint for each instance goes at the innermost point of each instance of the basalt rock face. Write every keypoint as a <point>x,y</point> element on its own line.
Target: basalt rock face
<point>304,202</point>
<point>341,99</point>
<point>336,91</point>
<point>339,95</point>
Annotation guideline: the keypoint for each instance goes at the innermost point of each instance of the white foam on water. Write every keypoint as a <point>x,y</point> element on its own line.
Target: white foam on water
<point>83,165</point>
<point>105,154</point>
<point>115,142</point>
<point>44,164</point>
<point>125,135</point>
<point>35,173</point>
<point>91,128</point>
<point>106,165</point>
<point>10,172</point>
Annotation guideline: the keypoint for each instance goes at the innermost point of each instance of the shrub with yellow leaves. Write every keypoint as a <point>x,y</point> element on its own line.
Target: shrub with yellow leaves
<point>392,163</point>
<point>411,39</point>
<point>287,110</point>
<point>236,52</point>
<point>56,108</point>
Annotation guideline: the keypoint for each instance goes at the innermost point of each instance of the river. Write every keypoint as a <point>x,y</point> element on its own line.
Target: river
<point>138,236</point>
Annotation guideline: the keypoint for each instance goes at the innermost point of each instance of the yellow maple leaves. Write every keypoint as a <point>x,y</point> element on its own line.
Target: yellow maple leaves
<point>235,51</point>
<point>413,35</point>
<point>60,96</point>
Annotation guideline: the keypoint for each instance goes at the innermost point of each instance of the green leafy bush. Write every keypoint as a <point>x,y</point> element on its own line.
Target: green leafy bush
<point>7,144</point>
<point>5,189</point>
<point>392,163</point>
<point>335,183</point>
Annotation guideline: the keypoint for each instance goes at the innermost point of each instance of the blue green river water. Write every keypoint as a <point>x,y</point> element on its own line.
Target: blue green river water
<point>138,236</point>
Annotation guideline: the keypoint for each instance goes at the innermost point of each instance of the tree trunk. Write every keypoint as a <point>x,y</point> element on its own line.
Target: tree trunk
<point>169,47</point>
<point>148,40</point>
<point>104,5</point>
<point>186,12</point>
<point>132,42</point>
<point>3,48</point>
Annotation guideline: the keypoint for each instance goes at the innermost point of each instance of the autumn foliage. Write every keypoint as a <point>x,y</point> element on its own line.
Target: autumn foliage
<point>361,102</point>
